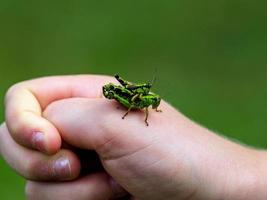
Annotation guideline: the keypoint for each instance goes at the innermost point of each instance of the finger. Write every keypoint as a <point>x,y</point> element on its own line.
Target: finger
<point>91,187</point>
<point>34,165</point>
<point>25,102</point>
<point>96,124</point>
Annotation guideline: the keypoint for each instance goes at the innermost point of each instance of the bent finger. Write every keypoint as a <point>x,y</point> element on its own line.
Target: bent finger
<point>91,187</point>
<point>25,102</point>
<point>34,165</point>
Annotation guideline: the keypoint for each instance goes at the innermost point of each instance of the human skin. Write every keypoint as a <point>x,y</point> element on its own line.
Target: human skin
<point>173,158</point>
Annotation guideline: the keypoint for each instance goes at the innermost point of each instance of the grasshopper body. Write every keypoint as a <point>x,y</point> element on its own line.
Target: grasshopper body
<point>132,96</point>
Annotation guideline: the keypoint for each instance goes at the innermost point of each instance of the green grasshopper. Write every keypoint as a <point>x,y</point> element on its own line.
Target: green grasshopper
<point>132,96</point>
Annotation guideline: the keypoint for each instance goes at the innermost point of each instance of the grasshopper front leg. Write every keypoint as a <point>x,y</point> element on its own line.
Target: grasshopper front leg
<point>129,109</point>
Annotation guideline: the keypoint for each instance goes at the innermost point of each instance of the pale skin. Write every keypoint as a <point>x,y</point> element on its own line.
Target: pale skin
<point>173,158</point>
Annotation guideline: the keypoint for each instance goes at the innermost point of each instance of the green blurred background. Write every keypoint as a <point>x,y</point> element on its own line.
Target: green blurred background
<point>210,57</point>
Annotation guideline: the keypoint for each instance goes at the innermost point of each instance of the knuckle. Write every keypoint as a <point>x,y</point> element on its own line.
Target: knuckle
<point>11,90</point>
<point>12,117</point>
<point>17,126</point>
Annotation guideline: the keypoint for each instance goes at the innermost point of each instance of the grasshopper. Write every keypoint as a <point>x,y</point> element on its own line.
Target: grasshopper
<point>132,96</point>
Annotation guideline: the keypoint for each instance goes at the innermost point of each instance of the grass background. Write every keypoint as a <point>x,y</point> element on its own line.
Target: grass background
<point>210,57</point>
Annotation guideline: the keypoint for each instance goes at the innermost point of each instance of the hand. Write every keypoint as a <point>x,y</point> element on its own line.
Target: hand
<point>173,158</point>
<point>26,101</point>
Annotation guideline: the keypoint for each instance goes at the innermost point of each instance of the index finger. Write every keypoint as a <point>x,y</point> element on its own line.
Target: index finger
<point>25,102</point>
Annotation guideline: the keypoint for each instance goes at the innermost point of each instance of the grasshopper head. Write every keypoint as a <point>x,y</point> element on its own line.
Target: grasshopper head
<point>108,90</point>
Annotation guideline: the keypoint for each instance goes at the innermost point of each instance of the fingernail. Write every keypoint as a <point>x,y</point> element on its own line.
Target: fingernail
<point>62,168</point>
<point>38,141</point>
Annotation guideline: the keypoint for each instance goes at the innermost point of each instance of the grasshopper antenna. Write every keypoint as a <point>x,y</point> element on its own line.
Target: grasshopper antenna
<point>154,78</point>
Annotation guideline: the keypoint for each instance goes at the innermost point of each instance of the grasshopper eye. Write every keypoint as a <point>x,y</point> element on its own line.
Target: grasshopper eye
<point>107,91</point>
<point>117,76</point>
<point>103,89</point>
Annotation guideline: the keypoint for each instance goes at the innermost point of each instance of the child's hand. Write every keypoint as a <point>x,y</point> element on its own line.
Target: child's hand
<point>173,158</point>
<point>26,101</point>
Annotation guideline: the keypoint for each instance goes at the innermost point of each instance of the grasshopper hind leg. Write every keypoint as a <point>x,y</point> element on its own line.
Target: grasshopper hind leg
<point>146,111</point>
<point>157,110</point>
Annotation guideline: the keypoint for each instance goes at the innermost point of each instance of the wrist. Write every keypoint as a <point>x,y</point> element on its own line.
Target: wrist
<point>260,186</point>
<point>251,182</point>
